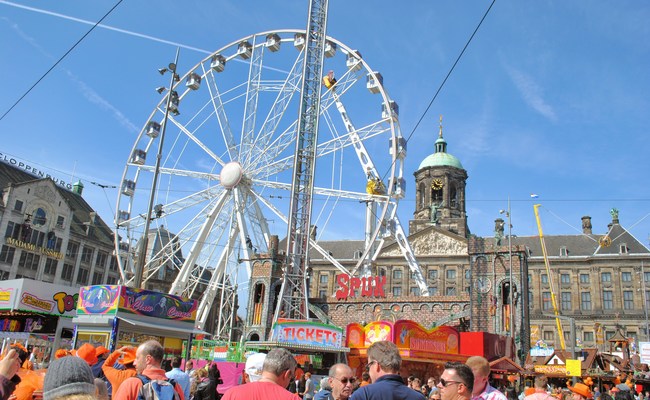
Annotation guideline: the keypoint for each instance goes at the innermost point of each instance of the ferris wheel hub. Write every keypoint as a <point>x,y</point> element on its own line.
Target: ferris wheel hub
<point>231,174</point>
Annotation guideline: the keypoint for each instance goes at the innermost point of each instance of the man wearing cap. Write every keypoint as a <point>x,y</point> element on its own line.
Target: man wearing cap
<point>124,358</point>
<point>581,392</point>
<point>270,381</point>
<point>148,361</point>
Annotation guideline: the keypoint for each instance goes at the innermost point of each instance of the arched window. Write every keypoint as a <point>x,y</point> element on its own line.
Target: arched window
<point>421,193</point>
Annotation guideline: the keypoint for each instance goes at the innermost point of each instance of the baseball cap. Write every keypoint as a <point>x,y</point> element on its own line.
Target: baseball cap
<point>254,365</point>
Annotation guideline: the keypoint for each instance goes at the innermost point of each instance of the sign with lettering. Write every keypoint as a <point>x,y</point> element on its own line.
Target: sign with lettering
<point>98,299</point>
<point>33,170</point>
<point>32,247</point>
<point>37,296</point>
<point>307,333</point>
<point>156,304</point>
<point>352,286</point>
<point>551,370</point>
<point>644,352</point>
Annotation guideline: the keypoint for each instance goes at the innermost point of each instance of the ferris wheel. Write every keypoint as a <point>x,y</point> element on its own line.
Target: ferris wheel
<point>225,179</point>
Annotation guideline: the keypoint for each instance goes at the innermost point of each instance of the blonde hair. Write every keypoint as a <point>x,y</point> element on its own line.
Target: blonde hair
<point>479,364</point>
<point>78,396</point>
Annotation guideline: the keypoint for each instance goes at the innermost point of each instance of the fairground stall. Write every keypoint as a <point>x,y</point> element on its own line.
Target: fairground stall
<point>423,351</point>
<point>316,346</point>
<point>116,316</point>
<point>37,314</point>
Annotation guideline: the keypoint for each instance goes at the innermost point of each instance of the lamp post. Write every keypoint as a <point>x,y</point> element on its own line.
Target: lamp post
<point>142,257</point>
<point>512,286</point>
<point>645,303</point>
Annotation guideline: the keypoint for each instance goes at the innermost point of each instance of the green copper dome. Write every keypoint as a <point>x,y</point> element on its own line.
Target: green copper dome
<point>441,158</point>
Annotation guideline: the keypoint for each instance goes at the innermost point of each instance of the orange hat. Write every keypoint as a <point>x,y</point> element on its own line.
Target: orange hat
<point>101,350</point>
<point>60,353</point>
<point>128,357</point>
<point>87,353</point>
<point>582,390</point>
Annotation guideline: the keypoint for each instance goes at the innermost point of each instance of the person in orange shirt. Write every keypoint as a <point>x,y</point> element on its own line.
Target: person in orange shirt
<point>30,381</point>
<point>365,379</point>
<point>116,376</point>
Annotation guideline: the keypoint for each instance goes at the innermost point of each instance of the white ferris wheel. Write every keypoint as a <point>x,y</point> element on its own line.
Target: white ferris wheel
<point>225,176</point>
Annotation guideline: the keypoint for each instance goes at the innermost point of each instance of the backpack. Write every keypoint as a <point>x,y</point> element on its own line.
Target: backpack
<point>157,389</point>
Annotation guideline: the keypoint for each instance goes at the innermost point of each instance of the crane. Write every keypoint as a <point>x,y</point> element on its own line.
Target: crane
<point>550,277</point>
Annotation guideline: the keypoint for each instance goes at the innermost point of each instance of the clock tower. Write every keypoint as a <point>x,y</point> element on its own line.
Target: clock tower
<point>440,192</point>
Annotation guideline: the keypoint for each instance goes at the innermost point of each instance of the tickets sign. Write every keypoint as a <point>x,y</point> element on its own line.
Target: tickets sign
<point>307,333</point>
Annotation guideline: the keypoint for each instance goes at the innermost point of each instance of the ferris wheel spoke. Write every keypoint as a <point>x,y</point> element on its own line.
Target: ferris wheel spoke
<point>180,172</point>
<point>289,87</point>
<point>193,255</point>
<point>258,223</point>
<point>196,140</point>
<point>327,192</point>
<point>282,142</point>
<point>221,115</point>
<point>250,109</point>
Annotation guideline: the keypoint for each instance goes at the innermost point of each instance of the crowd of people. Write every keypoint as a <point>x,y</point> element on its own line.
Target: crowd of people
<point>130,373</point>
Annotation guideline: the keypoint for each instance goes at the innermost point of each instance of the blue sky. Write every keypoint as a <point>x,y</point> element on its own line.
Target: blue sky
<point>551,97</point>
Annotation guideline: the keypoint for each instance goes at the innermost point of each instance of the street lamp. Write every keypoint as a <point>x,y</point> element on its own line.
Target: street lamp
<point>512,286</point>
<point>139,270</point>
<point>645,303</point>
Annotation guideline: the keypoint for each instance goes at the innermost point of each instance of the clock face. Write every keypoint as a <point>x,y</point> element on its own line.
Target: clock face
<point>437,184</point>
<point>483,284</point>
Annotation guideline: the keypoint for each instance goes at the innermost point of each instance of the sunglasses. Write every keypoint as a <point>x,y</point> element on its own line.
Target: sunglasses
<point>345,381</point>
<point>369,364</point>
<point>445,383</point>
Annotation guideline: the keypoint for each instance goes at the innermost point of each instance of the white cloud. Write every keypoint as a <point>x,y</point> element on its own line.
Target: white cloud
<point>532,93</point>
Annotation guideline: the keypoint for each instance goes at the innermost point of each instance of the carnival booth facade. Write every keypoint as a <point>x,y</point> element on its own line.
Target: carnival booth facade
<point>37,314</point>
<point>115,316</point>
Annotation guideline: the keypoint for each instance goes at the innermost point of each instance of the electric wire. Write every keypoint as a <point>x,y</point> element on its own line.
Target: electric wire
<point>408,138</point>
<point>59,60</point>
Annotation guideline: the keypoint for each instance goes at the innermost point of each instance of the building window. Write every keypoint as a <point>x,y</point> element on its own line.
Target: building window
<point>433,291</point>
<point>18,205</point>
<point>628,300</point>
<point>102,256</point>
<point>467,274</point>
<point>397,273</point>
<point>415,291</point>
<point>605,276</point>
<point>397,291</point>
<point>608,302</point>
<point>623,248</point>
<point>67,272</point>
<point>7,254</point>
<point>60,221</point>
<point>29,260</point>
<point>97,278</point>
<point>549,335</point>
<point>111,280</point>
<point>565,278</point>
<point>584,278</point>
<point>323,279</point>
<point>73,249</point>
<point>322,294</point>
<point>382,271</point>
<point>432,274</point>
<point>113,265</point>
<point>646,276</point>
<point>450,291</point>
<point>545,279</point>
<point>563,251</point>
<point>451,274</point>
<point>87,254</point>
<point>546,301</point>
<point>13,230</point>
<point>647,299</point>
<point>530,299</point>
<point>585,301</point>
<point>412,275</point>
<point>588,337</point>
<point>626,276</point>
<point>50,266</point>
<point>566,301</point>
<point>82,276</point>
